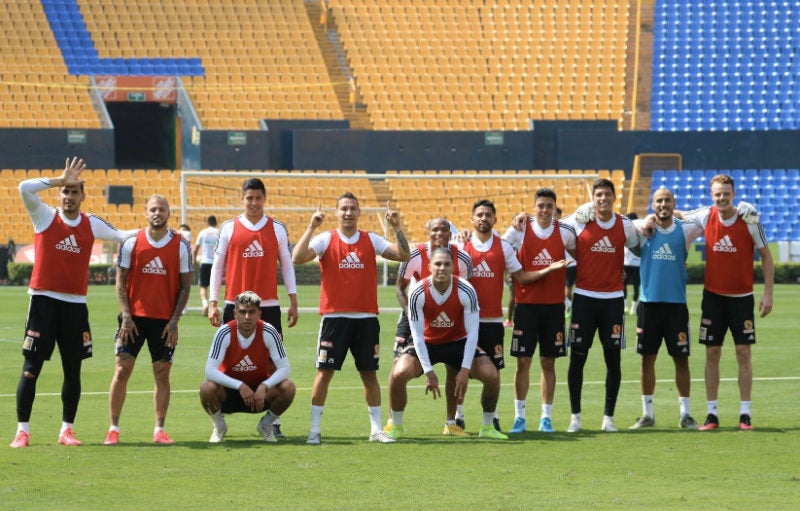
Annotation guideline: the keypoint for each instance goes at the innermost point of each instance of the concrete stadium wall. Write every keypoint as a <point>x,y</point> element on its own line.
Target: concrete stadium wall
<point>46,148</point>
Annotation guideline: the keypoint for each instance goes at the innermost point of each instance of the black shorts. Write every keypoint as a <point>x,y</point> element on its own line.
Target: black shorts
<point>632,275</point>
<point>538,324</point>
<point>150,330</point>
<point>450,353</point>
<point>402,335</point>
<point>361,336</point>
<point>721,313</point>
<point>572,272</point>
<point>271,315</point>
<point>204,275</point>
<point>235,404</point>
<point>490,340</point>
<point>663,321</point>
<point>606,316</point>
<point>50,322</point>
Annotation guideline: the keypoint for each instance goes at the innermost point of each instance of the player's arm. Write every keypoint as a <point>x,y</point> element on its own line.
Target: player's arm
<point>631,237</point>
<point>400,250</point>
<point>302,252</point>
<point>469,300</point>
<point>416,322</point>
<point>767,268</point>
<point>217,269</point>
<point>127,328</point>
<point>216,355</point>
<point>170,331</point>
<point>277,353</point>
<point>287,272</point>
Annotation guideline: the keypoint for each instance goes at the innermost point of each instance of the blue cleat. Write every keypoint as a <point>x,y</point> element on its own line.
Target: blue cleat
<point>545,425</point>
<point>520,426</point>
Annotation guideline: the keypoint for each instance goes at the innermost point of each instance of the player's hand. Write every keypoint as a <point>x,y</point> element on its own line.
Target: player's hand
<point>460,388</point>
<point>585,213</point>
<point>249,397</point>
<point>558,265</point>
<point>519,221</point>
<point>127,329</point>
<point>648,226</point>
<point>765,305</point>
<point>462,236</point>
<point>72,172</point>
<point>392,216</point>
<point>260,397</point>
<point>318,217</point>
<point>170,333</point>
<point>213,314</point>
<point>748,212</point>
<point>432,385</point>
<point>291,315</point>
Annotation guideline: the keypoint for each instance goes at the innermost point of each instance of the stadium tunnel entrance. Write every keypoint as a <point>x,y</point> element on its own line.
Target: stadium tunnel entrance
<point>144,134</point>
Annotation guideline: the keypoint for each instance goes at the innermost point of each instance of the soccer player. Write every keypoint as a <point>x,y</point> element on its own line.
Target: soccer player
<point>728,302</point>
<point>440,231</point>
<point>631,268</point>
<point>348,303</point>
<point>662,312</point>
<point>57,314</point>
<point>598,305</point>
<point>444,319</point>
<point>539,313</point>
<point>204,249</point>
<point>154,278</point>
<point>247,371</point>
<point>249,249</point>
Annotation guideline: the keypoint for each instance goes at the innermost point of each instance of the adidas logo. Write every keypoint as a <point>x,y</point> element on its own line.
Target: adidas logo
<point>244,364</point>
<point>69,244</point>
<point>351,262</point>
<point>254,250</point>
<point>442,321</point>
<point>724,245</point>
<point>664,253</point>
<point>604,245</point>
<point>155,267</point>
<point>483,271</point>
<point>543,258</point>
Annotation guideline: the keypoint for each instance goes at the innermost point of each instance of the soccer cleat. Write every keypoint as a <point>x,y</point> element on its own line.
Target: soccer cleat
<point>161,437</point>
<point>687,422</point>
<point>266,430</point>
<point>67,437</point>
<point>744,422</point>
<point>112,438</point>
<point>712,422</point>
<point>21,440</point>
<point>314,439</point>
<point>276,430</point>
<point>488,431</point>
<point>454,430</point>
<point>519,426</point>
<point>380,436</point>
<point>574,425</point>
<point>460,423</point>
<point>218,433</point>
<point>393,431</point>
<point>643,422</point>
<point>608,425</point>
<point>546,425</point>
<point>496,424</point>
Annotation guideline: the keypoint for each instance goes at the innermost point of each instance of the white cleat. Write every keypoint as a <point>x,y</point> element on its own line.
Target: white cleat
<point>608,425</point>
<point>380,436</point>
<point>574,424</point>
<point>314,439</point>
<point>266,430</point>
<point>218,434</point>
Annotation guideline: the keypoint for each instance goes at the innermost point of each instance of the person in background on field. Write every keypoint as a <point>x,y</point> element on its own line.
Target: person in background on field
<point>57,314</point>
<point>444,320</point>
<point>539,314</point>
<point>662,312</point>
<point>186,232</point>
<point>248,252</point>
<point>348,303</point>
<point>204,254</point>
<point>247,371</point>
<point>154,279</point>
<point>733,235</point>
<point>631,268</point>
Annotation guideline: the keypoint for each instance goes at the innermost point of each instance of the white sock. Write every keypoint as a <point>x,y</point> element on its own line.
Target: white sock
<point>575,417</point>
<point>205,303</point>
<point>397,418</point>
<point>519,408</point>
<point>157,429</point>
<point>113,428</point>
<point>316,418</point>
<point>547,410</point>
<point>24,426</point>
<point>711,406</point>
<point>218,419</point>
<point>65,426</point>
<point>647,405</point>
<point>459,411</point>
<point>270,418</point>
<point>744,407</point>
<point>608,418</point>
<point>375,418</point>
<point>684,402</point>
<point>487,418</point>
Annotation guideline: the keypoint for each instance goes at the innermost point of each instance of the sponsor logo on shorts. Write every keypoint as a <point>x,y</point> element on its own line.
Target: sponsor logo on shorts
<point>664,253</point>
<point>616,331</point>
<point>244,365</point>
<point>703,333</point>
<point>377,352</point>
<point>27,344</point>
<point>33,333</point>
<point>87,338</point>
<point>705,321</point>
<point>559,338</point>
<point>69,244</point>
<point>483,271</point>
<point>498,351</point>
<point>253,250</point>
<point>748,327</point>
<point>683,339</point>
<point>639,330</point>
<point>604,245</point>
<point>442,321</point>
<point>724,245</point>
<point>322,356</point>
<point>155,267</point>
<point>326,344</point>
<point>351,262</point>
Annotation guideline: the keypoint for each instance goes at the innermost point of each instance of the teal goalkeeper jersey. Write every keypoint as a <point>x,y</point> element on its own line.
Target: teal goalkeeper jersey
<point>663,270</point>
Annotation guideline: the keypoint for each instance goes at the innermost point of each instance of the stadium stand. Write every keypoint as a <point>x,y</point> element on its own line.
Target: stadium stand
<point>725,65</point>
